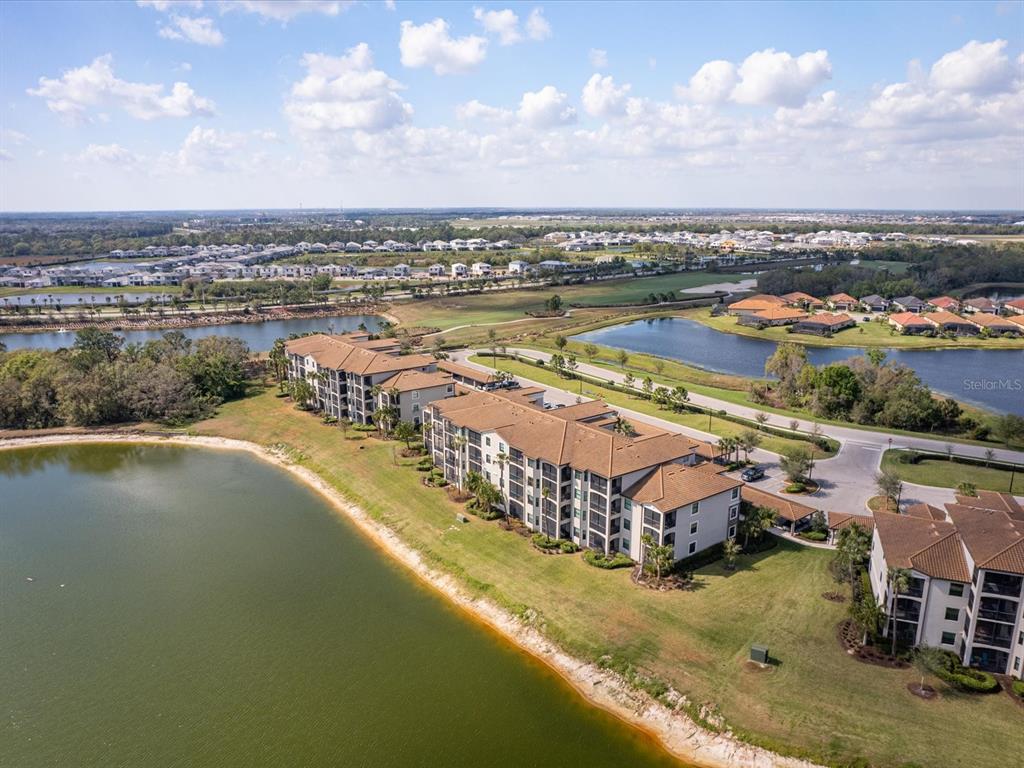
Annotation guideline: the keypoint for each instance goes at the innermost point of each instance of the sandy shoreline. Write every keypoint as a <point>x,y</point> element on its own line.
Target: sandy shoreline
<point>677,733</point>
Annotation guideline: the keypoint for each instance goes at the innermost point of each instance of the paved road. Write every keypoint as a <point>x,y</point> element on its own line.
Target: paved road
<point>847,479</point>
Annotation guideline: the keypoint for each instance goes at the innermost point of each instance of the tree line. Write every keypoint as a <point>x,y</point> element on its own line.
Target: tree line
<point>102,380</point>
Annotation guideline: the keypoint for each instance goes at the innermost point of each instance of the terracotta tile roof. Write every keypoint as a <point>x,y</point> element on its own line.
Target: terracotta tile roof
<point>987,533</point>
<point>841,298</point>
<point>407,381</point>
<point>925,512</point>
<point>943,560</point>
<point>758,302</point>
<point>781,313</point>
<point>944,302</point>
<point>903,536</point>
<point>797,297</point>
<point>1002,502</point>
<point>790,510</point>
<point>465,372</point>
<point>992,321</point>
<point>942,317</point>
<point>353,354</point>
<point>556,437</point>
<point>837,520</point>
<point>1016,319</point>
<point>1016,304</point>
<point>1010,559</point>
<point>672,486</point>
<point>907,319</point>
<point>982,302</point>
<point>829,319</point>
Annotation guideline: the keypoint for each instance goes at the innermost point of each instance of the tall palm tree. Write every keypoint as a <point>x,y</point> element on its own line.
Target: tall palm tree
<point>899,582</point>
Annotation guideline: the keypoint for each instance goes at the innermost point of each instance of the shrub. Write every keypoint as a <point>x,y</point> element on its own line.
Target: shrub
<point>607,562</point>
<point>1018,688</point>
<point>951,671</point>
<point>364,428</point>
<point>545,542</point>
<point>568,547</point>
<point>700,559</point>
<point>814,536</point>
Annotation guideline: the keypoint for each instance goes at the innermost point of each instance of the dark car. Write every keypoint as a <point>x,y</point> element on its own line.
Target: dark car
<point>751,474</point>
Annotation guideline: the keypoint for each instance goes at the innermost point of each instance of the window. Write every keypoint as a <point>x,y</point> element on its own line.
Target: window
<point>952,614</point>
<point>734,511</point>
<point>487,440</point>
<point>695,508</point>
<point>948,638</point>
<point>1016,664</point>
<point>956,590</point>
<point>627,505</point>
<point>732,531</point>
<point>415,395</point>
<point>693,529</point>
<point>735,493</point>
<point>625,525</point>
<point>693,547</point>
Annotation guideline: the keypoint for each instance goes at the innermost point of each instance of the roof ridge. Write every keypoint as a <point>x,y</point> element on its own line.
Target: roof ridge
<point>1005,549</point>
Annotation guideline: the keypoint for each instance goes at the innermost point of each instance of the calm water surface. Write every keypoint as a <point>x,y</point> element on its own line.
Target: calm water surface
<point>259,336</point>
<point>200,608</point>
<point>991,378</point>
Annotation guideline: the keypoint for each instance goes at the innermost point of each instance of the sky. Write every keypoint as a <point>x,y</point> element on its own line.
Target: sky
<point>159,105</point>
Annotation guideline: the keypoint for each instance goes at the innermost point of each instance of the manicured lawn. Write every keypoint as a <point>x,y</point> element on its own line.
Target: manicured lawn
<point>816,700</point>
<point>944,474</point>
<point>873,334</point>
<point>898,268</point>
<point>500,307</point>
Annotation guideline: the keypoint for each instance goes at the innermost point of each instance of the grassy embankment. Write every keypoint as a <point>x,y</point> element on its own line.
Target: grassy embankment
<point>944,474</point>
<point>58,290</point>
<point>816,700</point>
<point>873,334</point>
<point>716,426</point>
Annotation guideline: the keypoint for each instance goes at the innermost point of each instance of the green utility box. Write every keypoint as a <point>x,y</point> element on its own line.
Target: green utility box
<point>759,653</point>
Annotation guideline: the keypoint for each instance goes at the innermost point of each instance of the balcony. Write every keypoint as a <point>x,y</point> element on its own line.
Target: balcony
<point>1002,584</point>
<point>995,635</point>
<point>997,609</point>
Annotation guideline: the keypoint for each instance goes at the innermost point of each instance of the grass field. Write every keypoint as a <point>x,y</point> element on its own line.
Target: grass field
<point>897,268</point>
<point>941,473</point>
<point>871,334</point>
<point>500,307</point>
<point>719,427</point>
<point>88,290</point>
<point>816,700</point>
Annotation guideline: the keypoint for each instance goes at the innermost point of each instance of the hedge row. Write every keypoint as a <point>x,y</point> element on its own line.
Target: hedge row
<point>952,671</point>
<point>600,560</point>
<point>916,457</point>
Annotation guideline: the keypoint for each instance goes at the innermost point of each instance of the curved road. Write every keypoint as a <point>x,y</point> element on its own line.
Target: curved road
<point>847,479</point>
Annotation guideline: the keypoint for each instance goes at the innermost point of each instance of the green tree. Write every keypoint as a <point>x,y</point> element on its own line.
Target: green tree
<point>302,392</point>
<point>561,341</point>
<point>786,364</point>
<point>796,462</point>
<point>622,357</point>
<point>730,551</point>
<point>748,440</point>
<point>590,351</point>
<point>899,582</point>
<point>406,432</point>
<point>853,547</point>
<point>889,485</point>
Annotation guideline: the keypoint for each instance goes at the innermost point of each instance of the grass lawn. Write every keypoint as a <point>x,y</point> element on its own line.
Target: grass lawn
<point>815,701</point>
<point>942,473</point>
<point>502,306</point>
<point>88,290</point>
<point>897,268</point>
<point>873,334</point>
<point>720,427</point>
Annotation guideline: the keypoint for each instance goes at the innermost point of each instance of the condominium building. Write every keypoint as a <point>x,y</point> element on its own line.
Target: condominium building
<point>345,372</point>
<point>966,586</point>
<point>580,473</point>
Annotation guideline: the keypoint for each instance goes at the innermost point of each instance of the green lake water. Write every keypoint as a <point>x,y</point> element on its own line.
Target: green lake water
<point>190,607</point>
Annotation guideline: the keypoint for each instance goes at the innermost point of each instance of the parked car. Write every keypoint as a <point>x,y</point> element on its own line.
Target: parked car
<point>751,474</point>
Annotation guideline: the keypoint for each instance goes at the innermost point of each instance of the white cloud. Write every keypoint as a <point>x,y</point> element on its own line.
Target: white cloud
<point>602,98</point>
<point>431,45</point>
<point>12,136</point>
<point>976,68</point>
<point>712,83</point>
<point>475,110</point>
<point>110,154</point>
<point>77,90</point>
<point>194,29</point>
<point>779,79</point>
<point>207,149</point>
<point>598,58</point>
<point>823,111</point>
<point>504,24</point>
<point>286,10</point>
<point>345,93</point>
<point>165,5</point>
<point>546,108</point>
<point>537,27</point>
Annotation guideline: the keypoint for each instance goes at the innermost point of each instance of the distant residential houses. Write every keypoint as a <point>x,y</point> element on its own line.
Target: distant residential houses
<point>907,314</point>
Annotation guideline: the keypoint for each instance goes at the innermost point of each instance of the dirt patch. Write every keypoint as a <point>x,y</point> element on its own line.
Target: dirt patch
<point>922,691</point>
<point>849,637</point>
<point>754,667</point>
<point>834,597</point>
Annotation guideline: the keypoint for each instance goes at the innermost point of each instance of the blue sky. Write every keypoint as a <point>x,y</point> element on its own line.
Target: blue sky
<point>264,104</point>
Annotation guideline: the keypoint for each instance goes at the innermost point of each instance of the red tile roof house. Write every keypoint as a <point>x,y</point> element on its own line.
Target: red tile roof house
<point>753,304</point>
<point>843,301</point>
<point>772,317</point>
<point>909,322</point>
<point>824,324</point>
<point>997,326</point>
<point>947,322</point>
<point>981,304</point>
<point>803,300</point>
<point>1016,306</point>
<point>946,304</point>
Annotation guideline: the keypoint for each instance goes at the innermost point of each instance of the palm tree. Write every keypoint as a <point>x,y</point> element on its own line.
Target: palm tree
<point>502,459</point>
<point>458,443</point>
<point>756,522</point>
<point>405,431</point>
<point>730,550</point>
<point>899,582</point>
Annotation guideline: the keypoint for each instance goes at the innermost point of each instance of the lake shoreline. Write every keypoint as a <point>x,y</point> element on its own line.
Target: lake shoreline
<point>673,729</point>
<point>117,324</point>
